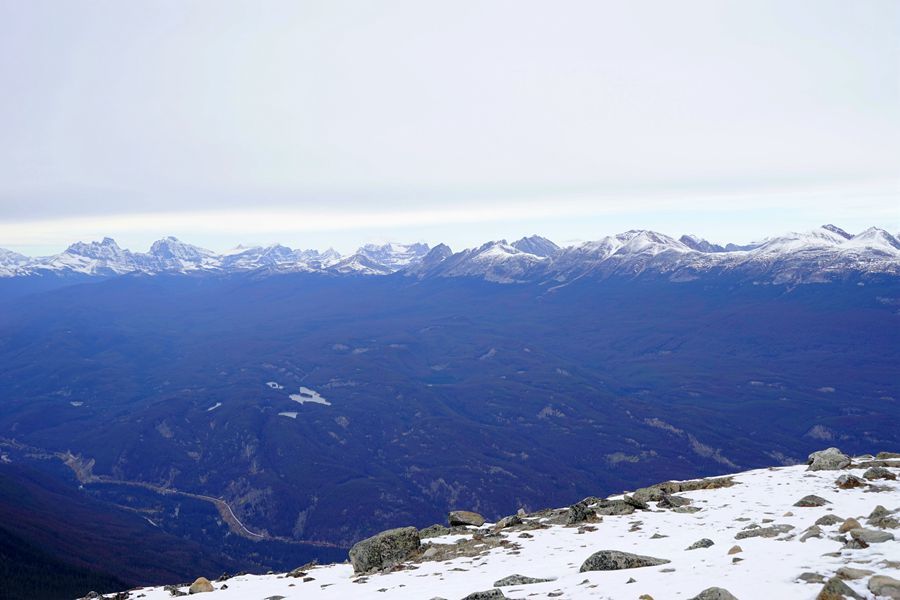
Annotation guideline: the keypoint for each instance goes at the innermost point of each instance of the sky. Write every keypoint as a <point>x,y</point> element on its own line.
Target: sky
<point>338,123</point>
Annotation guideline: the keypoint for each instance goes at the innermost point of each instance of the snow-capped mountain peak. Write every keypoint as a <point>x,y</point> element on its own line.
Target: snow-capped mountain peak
<point>875,239</point>
<point>394,256</point>
<point>537,245</point>
<point>820,255</point>
<point>837,230</point>
<point>699,244</point>
<point>640,241</point>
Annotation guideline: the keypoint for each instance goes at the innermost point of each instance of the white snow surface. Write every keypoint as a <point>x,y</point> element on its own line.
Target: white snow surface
<point>769,569</point>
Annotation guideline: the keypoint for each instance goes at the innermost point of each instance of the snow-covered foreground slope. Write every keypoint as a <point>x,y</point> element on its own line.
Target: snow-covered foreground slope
<point>788,564</point>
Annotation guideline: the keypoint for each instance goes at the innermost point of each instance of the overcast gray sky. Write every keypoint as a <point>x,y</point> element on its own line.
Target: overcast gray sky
<point>339,123</point>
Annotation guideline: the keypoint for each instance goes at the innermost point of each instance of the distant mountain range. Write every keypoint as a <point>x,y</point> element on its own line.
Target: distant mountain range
<point>309,400</point>
<point>824,254</point>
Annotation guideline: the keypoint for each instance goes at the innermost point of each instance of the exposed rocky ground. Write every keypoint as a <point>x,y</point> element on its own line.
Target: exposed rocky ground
<point>824,531</point>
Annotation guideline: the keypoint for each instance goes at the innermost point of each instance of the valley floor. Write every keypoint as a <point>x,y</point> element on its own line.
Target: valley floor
<point>765,567</point>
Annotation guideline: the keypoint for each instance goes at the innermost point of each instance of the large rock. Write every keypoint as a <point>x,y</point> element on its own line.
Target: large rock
<point>465,517</point>
<point>580,512</point>
<point>813,531</point>
<point>881,517</point>
<point>201,585</point>
<point>671,501</point>
<point>882,585</point>
<point>509,521</point>
<point>764,532</point>
<point>704,543</point>
<point>829,519</point>
<point>811,501</point>
<point>614,507</point>
<point>386,549</point>
<point>613,560</point>
<point>871,536</point>
<point>835,589</point>
<point>655,493</point>
<point>848,481</point>
<point>879,473</point>
<point>830,459</point>
<point>519,580</point>
<point>714,593</point>
<point>849,573</point>
<point>435,530</point>
<point>493,594</point>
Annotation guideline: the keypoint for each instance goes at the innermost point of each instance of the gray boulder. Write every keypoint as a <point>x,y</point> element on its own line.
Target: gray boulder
<point>670,501</point>
<point>829,519</point>
<point>835,589</point>
<point>830,459</point>
<point>704,543</point>
<point>465,517</point>
<point>519,580</point>
<point>848,481</point>
<point>764,532</point>
<point>714,593</point>
<point>635,502</point>
<point>881,517</point>
<point>813,531</point>
<point>435,530</point>
<point>879,473</point>
<point>508,522</point>
<point>614,507</point>
<point>871,536</point>
<point>579,513</point>
<point>613,560</point>
<point>386,549</point>
<point>849,573</point>
<point>493,594</point>
<point>882,585</point>
<point>811,501</point>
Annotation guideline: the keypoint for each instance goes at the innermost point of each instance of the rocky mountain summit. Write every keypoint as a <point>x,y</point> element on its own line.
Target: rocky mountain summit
<point>823,254</point>
<point>824,531</point>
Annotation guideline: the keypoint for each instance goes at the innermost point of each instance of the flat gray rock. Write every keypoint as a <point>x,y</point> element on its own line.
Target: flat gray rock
<point>882,585</point>
<point>811,501</point>
<point>879,473</point>
<point>766,532</point>
<point>493,594</point>
<point>613,560</point>
<point>519,580</point>
<point>871,536</point>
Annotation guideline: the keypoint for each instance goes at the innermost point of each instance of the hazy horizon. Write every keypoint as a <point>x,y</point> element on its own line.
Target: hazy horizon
<point>345,250</point>
<point>321,124</point>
